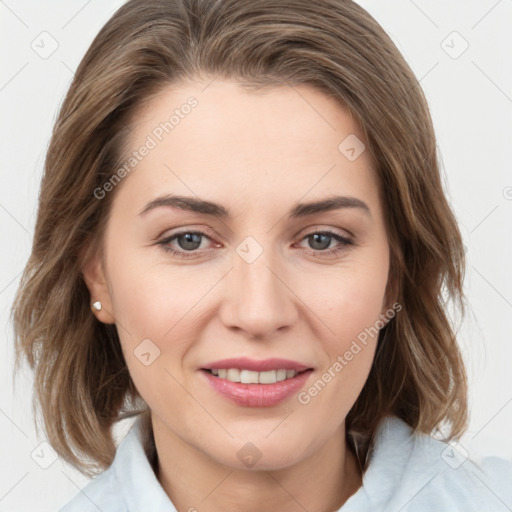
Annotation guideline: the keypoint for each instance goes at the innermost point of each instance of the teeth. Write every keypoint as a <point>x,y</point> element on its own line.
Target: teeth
<point>233,375</point>
<point>250,377</point>
<point>281,374</point>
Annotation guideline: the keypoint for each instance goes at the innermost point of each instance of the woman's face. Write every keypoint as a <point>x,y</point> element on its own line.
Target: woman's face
<point>250,280</point>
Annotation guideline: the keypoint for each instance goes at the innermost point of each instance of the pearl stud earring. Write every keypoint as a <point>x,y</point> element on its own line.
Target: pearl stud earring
<point>97,305</point>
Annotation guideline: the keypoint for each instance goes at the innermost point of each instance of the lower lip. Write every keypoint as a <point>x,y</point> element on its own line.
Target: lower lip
<point>257,395</point>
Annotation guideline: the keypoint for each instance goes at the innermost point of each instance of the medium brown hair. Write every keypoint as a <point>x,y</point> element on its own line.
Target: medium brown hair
<point>81,380</point>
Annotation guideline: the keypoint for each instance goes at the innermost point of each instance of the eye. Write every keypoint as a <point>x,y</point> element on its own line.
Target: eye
<point>321,240</point>
<point>188,243</point>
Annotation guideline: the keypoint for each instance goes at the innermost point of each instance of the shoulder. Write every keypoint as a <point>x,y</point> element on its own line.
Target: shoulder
<point>414,472</point>
<point>101,493</point>
<point>458,478</point>
<point>129,480</point>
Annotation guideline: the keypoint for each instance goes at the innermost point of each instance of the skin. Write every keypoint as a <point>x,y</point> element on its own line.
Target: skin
<point>257,154</point>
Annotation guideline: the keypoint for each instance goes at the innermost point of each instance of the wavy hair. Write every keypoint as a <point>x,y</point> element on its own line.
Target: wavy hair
<point>82,384</point>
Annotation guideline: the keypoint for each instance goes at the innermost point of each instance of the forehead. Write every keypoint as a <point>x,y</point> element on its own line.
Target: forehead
<point>217,140</point>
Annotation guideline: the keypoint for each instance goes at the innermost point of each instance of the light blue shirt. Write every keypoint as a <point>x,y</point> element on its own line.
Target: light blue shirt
<point>406,473</point>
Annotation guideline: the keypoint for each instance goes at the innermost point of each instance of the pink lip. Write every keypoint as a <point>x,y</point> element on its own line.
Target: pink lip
<point>256,395</point>
<point>243,363</point>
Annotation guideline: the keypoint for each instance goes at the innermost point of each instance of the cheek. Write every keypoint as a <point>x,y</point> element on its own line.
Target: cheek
<point>157,310</point>
<point>350,299</point>
<point>351,307</point>
<point>150,299</point>
<point>351,311</point>
<point>358,307</point>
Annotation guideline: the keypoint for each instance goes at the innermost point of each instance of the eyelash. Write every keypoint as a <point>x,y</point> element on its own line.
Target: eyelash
<point>344,243</point>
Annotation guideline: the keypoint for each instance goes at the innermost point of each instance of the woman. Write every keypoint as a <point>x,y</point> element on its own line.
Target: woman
<point>242,240</point>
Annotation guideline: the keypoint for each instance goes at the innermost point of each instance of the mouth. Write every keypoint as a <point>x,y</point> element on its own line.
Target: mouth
<point>247,388</point>
<point>244,376</point>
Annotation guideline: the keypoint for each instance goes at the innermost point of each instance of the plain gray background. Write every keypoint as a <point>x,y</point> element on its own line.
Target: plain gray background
<point>460,50</point>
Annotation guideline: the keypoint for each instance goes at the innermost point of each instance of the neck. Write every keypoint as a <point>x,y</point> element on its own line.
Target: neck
<point>194,481</point>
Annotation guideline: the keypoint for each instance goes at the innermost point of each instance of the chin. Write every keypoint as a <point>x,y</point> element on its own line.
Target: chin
<point>262,456</point>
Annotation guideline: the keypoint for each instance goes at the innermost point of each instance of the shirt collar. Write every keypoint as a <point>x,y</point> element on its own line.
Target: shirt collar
<point>136,479</point>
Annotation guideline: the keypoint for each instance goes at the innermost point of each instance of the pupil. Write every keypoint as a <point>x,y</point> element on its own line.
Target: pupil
<point>190,238</point>
<point>315,240</point>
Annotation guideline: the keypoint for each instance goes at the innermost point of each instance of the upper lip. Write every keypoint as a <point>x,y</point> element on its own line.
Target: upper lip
<point>243,363</point>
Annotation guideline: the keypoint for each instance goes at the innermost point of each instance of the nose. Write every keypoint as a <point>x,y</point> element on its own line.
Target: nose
<point>257,301</point>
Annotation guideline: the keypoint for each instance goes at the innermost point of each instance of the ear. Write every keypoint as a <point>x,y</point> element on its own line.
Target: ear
<point>92,269</point>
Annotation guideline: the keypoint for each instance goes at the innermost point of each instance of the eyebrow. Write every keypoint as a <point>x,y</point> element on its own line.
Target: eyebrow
<point>203,207</point>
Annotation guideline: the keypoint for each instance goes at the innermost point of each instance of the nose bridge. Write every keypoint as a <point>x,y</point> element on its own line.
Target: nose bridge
<point>261,302</point>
